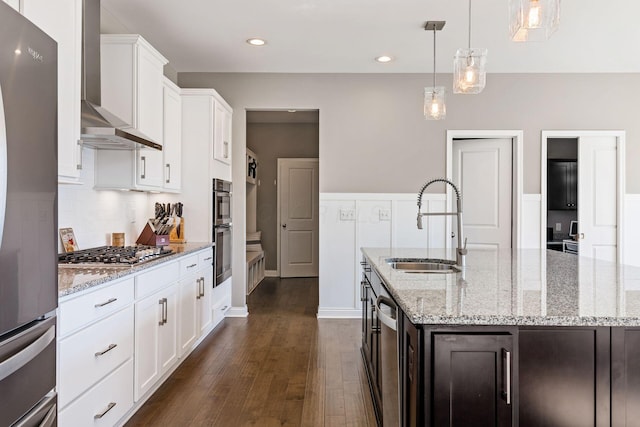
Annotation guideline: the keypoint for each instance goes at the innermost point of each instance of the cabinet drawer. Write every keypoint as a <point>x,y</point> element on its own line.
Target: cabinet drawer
<point>115,392</point>
<point>156,279</point>
<point>205,258</point>
<point>85,309</point>
<point>189,265</point>
<point>89,355</point>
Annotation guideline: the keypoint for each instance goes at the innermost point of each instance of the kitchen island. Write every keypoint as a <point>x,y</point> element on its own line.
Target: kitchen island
<point>523,337</point>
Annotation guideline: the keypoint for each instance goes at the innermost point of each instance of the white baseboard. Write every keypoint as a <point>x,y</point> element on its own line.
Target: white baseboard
<point>237,312</point>
<point>339,313</point>
<point>271,273</point>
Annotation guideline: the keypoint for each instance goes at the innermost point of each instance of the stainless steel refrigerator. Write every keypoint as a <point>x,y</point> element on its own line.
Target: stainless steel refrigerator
<point>28,222</point>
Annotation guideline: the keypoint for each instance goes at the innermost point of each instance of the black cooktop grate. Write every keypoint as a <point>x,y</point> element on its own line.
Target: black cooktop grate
<point>127,255</point>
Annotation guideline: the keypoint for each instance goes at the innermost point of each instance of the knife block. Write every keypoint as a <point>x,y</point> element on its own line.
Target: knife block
<point>150,238</point>
<point>174,236</point>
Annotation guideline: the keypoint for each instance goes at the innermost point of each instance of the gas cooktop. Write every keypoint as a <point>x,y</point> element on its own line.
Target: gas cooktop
<point>112,256</point>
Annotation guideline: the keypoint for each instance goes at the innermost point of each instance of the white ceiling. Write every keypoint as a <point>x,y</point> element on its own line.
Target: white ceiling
<point>344,36</point>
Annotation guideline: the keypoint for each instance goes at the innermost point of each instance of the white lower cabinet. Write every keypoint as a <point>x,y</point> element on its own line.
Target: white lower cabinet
<point>221,300</point>
<point>119,341</point>
<point>104,404</point>
<point>156,327</point>
<point>89,355</point>
<point>188,313</point>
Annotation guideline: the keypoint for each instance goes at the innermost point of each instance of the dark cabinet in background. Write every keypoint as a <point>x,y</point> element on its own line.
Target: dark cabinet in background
<point>562,185</point>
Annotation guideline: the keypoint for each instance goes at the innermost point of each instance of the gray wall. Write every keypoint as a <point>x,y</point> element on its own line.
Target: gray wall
<point>373,137</point>
<point>270,141</point>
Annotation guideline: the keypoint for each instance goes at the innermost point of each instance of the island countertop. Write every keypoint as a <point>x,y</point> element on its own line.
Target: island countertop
<point>73,279</point>
<point>513,287</point>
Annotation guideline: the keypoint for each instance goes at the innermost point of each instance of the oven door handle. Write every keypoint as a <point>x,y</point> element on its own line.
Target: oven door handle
<point>226,226</point>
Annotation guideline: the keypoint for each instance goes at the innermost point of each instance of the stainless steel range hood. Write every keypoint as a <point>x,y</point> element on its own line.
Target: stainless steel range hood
<point>99,128</point>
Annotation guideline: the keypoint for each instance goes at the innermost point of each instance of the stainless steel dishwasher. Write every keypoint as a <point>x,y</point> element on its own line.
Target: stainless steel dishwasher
<point>389,366</point>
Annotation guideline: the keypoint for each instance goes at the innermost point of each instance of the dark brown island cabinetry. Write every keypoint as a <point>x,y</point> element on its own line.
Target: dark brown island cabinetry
<point>511,375</point>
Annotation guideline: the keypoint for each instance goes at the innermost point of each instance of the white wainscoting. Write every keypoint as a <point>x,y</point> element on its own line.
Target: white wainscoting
<point>349,221</point>
<point>531,211</point>
<point>632,230</point>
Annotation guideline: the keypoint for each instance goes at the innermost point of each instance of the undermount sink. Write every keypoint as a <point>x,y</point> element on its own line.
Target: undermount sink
<point>417,265</point>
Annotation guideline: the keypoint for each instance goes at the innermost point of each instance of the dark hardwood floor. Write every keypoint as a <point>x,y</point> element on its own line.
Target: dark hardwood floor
<point>281,366</point>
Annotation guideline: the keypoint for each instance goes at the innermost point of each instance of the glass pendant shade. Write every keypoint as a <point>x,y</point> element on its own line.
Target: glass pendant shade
<point>469,71</point>
<point>434,106</point>
<point>533,20</point>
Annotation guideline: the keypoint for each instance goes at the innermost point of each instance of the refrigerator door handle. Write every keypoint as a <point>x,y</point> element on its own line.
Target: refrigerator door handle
<point>3,165</point>
<point>20,359</point>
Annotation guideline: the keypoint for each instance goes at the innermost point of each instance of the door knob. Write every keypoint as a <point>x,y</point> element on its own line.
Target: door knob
<point>284,225</point>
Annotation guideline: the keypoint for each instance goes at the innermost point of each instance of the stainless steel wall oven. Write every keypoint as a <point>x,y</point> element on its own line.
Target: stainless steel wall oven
<point>222,230</point>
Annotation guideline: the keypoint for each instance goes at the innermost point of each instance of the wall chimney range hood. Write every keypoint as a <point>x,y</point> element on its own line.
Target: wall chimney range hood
<point>99,128</point>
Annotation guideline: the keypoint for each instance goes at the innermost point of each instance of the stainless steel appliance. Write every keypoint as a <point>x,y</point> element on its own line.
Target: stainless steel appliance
<point>222,230</point>
<point>28,222</point>
<point>99,128</point>
<point>386,310</point>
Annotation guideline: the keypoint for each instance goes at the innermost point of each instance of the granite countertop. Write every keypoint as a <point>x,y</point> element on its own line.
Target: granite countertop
<point>76,279</point>
<point>514,287</point>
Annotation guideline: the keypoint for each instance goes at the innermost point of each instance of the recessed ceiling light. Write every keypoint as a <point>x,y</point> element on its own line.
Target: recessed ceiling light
<point>291,111</point>
<point>384,59</point>
<point>256,42</point>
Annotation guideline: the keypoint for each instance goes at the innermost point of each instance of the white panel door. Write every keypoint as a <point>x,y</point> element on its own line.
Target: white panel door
<point>298,189</point>
<point>597,197</point>
<point>482,169</point>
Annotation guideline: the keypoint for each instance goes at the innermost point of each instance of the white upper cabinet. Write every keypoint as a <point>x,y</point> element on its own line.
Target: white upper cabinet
<point>172,147</point>
<point>222,138</point>
<point>132,81</point>
<point>62,21</point>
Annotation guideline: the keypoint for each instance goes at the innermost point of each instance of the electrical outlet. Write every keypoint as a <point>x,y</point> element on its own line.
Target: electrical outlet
<point>384,215</point>
<point>347,215</point>
<point>558,226</point>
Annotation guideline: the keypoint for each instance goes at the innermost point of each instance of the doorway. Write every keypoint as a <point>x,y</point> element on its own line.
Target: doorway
<point>487,165</point>
<point>274,134</point>
<point>599,192</point>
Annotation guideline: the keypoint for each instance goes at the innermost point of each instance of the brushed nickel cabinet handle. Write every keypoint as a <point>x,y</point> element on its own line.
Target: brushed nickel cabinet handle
<point>208,258</point>
<point>79,164</point>
<point>102,414</point>
<point>161,302</point>
<point>199,295</point>
<point>143,159</point>
<point>191,266</point>
<point>506,358</point>
<point>108,349</point>
<point>109,301</point>
<point>165,316</point>
<point>168,180</point>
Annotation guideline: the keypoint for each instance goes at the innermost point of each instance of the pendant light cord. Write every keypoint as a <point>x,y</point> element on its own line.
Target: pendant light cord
<point>434,58</point>
<point>469,25</point>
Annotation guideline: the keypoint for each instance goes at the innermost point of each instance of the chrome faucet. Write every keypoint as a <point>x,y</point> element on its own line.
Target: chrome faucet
<point>461,250</point>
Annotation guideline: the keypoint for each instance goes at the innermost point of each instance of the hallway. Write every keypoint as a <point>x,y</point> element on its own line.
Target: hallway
<point>281,366</point>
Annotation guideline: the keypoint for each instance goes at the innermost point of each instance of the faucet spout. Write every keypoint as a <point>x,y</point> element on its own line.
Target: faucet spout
<point>461,250</point>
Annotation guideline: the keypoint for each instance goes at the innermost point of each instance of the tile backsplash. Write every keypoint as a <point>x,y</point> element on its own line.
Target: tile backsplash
<point>94,215</point>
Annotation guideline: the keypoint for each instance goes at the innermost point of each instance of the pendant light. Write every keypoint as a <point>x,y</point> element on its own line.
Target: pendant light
<point>434,106</point>
<point>469,73</point>
<point>533,20</point>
